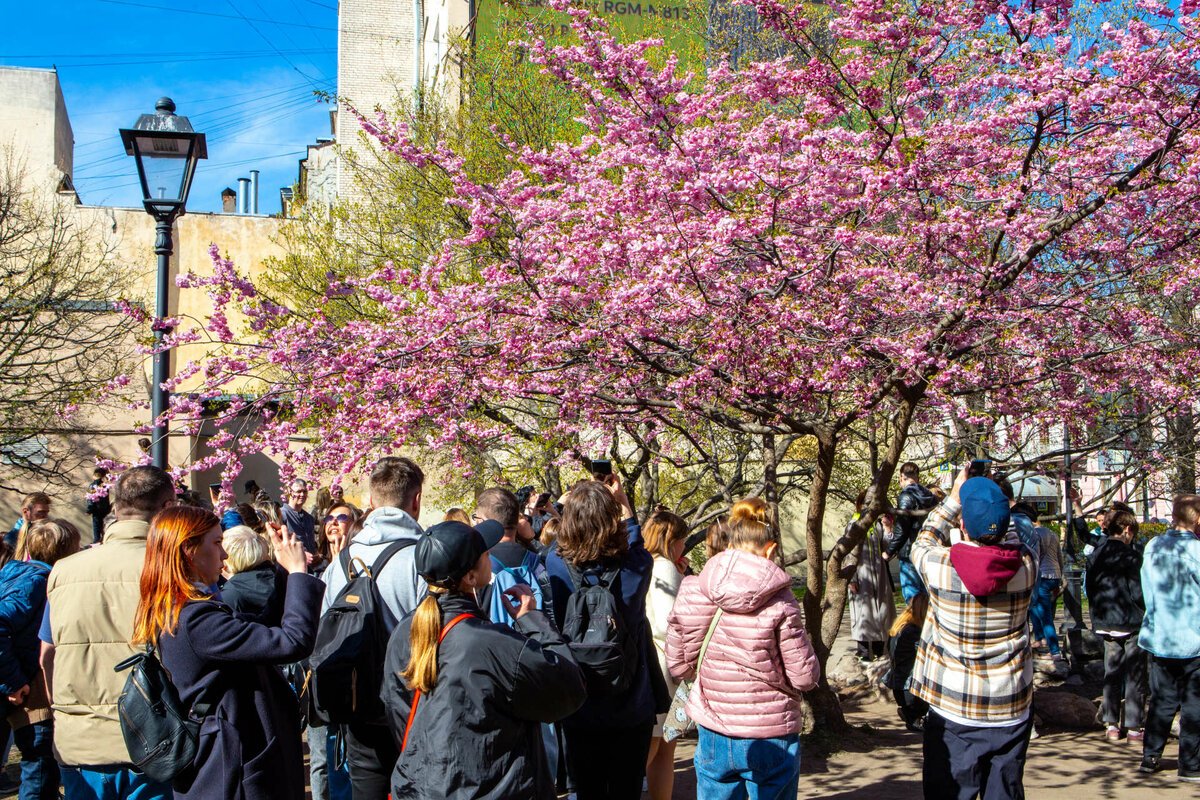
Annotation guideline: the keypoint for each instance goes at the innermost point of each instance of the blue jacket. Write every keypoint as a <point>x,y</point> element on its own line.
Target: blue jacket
<point>1171,589</point>
<point>635,707</point>
<point>22,603</point>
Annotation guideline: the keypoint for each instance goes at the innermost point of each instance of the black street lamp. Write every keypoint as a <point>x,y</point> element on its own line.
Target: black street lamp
<point>166,150</point>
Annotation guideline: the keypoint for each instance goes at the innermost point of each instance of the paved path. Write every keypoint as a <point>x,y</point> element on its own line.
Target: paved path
<point>887,766</point>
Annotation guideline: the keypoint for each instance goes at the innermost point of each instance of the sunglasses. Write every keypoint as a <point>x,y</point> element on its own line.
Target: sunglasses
<point>342,518</point>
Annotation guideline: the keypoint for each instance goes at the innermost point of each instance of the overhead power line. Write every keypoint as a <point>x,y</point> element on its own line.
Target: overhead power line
<point>215,14</point>
<point>272,45</point>
<point>150,62</point>
<point>160,54</point>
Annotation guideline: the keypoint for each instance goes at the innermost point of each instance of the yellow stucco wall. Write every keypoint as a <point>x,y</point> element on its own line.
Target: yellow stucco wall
<point>129,233</point>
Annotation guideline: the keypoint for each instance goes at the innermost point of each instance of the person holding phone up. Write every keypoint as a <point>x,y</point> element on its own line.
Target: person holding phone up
<point>466,697</point>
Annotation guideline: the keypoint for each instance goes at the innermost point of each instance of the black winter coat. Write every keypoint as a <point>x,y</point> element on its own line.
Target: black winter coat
<point>250,745</point>
<point>1114,587</point>
<point>257,594</point>
<point>478,733</point>
<point>913,497</point>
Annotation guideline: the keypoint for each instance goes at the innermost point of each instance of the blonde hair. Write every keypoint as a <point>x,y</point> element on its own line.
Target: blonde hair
<point>48,540</point>
<point>549,531</point>
<point>457,515</point>
<point>750,509</point>
<point>1185,510</point>
<point>421,672</point>
<point>914,614</point>
<point>749,524</point>
<point>662,530</point>
<point>746,534</point>
<point>244,548</point>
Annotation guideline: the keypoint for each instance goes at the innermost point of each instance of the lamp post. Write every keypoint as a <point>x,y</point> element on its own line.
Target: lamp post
<point>166,150</point>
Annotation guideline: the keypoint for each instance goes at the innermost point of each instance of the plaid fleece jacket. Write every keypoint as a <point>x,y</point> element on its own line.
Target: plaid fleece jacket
<point>974,661</point>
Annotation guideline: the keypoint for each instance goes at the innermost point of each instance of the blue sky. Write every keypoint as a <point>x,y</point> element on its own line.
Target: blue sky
<point>243,71</point>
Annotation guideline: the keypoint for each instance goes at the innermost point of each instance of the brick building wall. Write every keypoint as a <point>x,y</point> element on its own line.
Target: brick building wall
<point>376,53</point>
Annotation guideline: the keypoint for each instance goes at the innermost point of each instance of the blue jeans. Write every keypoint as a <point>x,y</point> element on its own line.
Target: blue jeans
<point>734,769</point>
<point>1041,613</point>
<point>39,770</point>
<point>911,584</point>
<point>111,783</point>
<point>327,780</point>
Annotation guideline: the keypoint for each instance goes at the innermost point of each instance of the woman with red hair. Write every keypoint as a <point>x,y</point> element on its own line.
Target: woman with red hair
<point>250,742</point>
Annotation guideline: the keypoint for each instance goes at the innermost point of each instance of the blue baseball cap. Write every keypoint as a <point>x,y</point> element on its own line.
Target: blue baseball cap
<point>984,508</point>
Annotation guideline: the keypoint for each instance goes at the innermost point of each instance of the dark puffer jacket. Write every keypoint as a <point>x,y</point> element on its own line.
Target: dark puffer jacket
<point>913,497</point>
<point>1114,587</point>
<point>478,733</point>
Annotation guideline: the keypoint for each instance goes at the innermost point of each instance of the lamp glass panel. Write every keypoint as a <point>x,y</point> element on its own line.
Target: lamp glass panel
<point>165,163</point>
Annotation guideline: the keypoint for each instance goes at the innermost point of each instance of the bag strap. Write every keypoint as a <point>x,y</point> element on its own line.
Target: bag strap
<point>412,712</point>
<point>578,576</point>
<point>202,706</point>
<point>712,628</point>
<point>386,555</point>
<point>381,561</point>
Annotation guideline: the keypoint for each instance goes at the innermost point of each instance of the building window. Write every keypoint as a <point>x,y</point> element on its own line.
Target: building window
<point>32,451</point>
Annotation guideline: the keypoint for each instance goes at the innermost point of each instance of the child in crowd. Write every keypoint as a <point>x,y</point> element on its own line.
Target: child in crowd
<point>22,605</point>
<point>905,637</point>
<point>745,698</point>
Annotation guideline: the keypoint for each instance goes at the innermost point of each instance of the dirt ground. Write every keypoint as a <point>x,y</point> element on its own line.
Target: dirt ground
<point>886,765</point>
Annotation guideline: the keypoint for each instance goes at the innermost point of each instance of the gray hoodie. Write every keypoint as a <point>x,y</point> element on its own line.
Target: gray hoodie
<point>399,585</point>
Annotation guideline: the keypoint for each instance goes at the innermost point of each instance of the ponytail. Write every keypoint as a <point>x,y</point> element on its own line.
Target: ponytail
<point>421,672</point>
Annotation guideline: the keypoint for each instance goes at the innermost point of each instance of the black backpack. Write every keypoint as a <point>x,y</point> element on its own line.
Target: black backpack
<point>600,642</point>
<point>347,660</point>
<point>160,734</point>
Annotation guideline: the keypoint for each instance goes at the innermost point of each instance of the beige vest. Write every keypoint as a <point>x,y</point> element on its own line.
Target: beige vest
<point>93,597</point>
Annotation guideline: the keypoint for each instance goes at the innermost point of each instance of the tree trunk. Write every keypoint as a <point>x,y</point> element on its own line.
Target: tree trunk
<point>827,711</point>
<point>1181,441</point>
<point>771,482</point>
<point>553,479</point>
<point>825,599</point>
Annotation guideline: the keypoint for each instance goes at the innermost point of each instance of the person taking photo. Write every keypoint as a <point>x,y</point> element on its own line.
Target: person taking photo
<point>466,697</point>
<point>249,745</point>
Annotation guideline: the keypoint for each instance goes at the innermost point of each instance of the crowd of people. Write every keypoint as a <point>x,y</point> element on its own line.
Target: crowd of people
<point>981,580</point>
<point>529,647</point>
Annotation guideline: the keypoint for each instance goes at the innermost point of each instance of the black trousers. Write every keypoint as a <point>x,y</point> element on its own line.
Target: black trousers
<point>607,763</point>
<point>370,756</point>
<point>868,651</point>
<point>1175,686</point>
<point>964,762</point>
<point>1124,682</point>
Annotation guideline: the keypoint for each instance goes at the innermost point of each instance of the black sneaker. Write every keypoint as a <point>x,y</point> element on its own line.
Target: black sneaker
<point>1189,776</point>
<point>1150,764</point>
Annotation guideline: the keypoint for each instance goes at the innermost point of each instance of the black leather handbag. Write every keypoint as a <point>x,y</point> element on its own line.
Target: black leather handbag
<point>161,735</point>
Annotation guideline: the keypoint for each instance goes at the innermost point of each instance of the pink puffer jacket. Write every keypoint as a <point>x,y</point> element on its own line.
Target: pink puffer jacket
<point>759,659</point>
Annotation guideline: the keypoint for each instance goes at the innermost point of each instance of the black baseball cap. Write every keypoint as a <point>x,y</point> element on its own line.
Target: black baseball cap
<point>449,550</point>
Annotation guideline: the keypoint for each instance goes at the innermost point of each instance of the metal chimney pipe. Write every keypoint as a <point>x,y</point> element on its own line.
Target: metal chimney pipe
<point>253,191</point>
<point>243,196</point>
